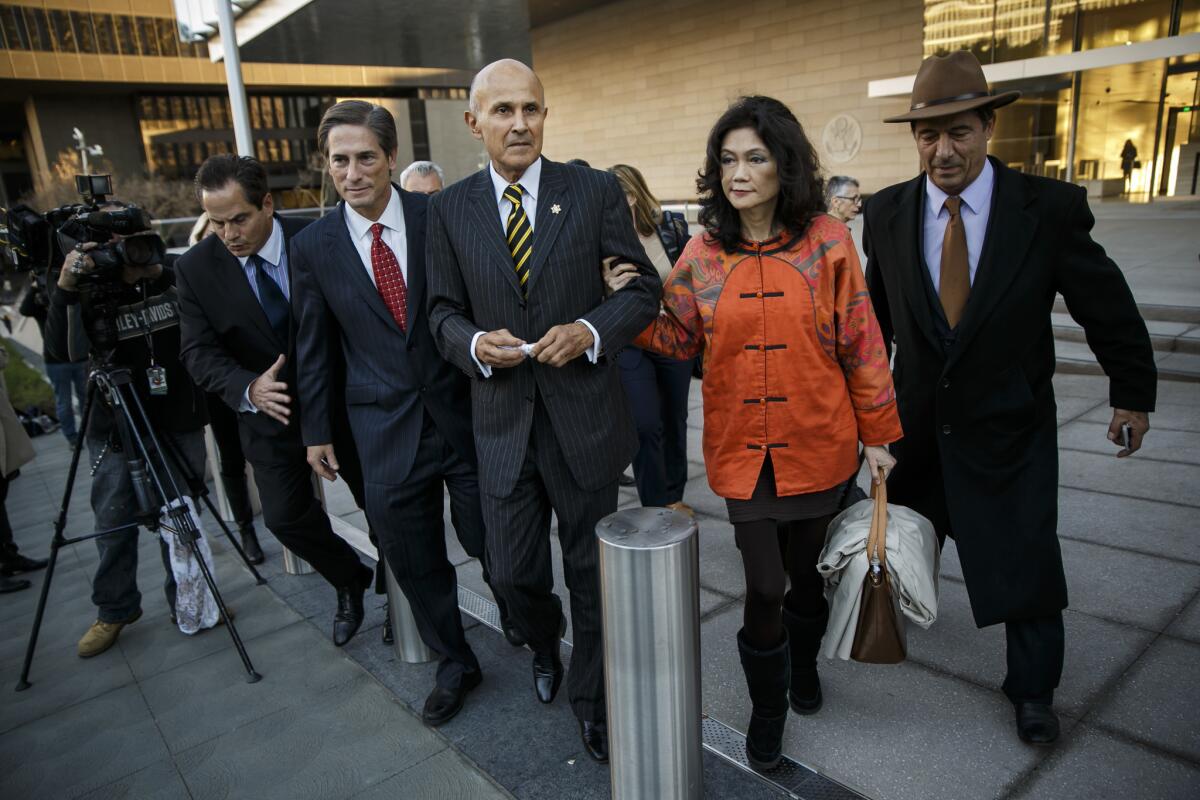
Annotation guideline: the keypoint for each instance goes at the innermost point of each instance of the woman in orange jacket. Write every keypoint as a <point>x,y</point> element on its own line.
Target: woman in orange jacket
<point>795,376</point>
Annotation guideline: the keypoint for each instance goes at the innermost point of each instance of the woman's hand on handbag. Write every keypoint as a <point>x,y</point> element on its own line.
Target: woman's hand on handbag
<point>878,458</point>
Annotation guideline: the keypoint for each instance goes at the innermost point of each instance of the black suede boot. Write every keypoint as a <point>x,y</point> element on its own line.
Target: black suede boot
<point>767,673</point>
<point>804,636</point>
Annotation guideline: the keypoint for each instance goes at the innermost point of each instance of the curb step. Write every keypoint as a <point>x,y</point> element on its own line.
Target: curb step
<point>1174,335</point>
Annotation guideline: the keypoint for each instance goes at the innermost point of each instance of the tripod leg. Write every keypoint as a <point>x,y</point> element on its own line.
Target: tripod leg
<point>258,579</point>
<point>60,524</point>
<point>187,531</point>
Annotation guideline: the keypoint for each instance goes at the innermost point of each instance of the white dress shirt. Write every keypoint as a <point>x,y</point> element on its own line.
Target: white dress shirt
<point>975,209</point>
<point>394,234</point>
<point>276,265</point>
<point>530,183</point>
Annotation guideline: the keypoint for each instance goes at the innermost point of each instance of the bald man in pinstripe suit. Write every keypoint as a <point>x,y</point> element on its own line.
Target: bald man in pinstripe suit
<point>515,300</point>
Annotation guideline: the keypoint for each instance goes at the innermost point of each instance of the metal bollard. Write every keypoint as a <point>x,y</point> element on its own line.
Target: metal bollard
<point>650,598</point>
<point>295,565</point>
<point>406,639</point>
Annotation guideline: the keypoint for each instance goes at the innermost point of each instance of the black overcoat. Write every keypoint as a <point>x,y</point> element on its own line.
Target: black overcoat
<point>979,455</point>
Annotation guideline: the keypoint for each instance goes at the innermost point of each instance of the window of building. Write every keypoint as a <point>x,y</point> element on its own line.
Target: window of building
<point>126,35</point>
<point>38,27</point>
<point>1008,30</point>
<point>106,34</point>
<point>64,35</point>
<point>168,37</point>
<point>147,36</point>
<point>85,33</point>
<point>12,23</point>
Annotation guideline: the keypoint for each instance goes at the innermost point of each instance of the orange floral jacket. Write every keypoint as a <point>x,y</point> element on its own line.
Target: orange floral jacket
<point>794,361</point>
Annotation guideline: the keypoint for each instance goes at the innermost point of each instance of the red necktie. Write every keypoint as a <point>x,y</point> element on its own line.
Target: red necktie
<point>388,279</point>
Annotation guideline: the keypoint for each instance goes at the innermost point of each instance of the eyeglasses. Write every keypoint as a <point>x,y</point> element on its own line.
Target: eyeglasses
<point>856,200</point>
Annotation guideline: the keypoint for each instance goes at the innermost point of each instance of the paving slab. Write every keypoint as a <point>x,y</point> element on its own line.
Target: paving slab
<point>1097,651</point>
<point>865,736</point>
<point>210,697</point>
<point>1092,387</point>
<point>1187,624</point>
<point>81,748</point>
<point>330,745</point>
<point>1162,529</point>
<point>1094,765</point>
<point>443,775</point>
<point>1158,701</point>
<point>256,612</point>
<point>59,679</point>
<point>1070,408</point>
<point>159,781</point>
<point>1131,477</point>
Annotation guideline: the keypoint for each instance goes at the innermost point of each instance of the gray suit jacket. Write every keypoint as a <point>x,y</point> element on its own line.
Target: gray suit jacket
<point>473,287</point>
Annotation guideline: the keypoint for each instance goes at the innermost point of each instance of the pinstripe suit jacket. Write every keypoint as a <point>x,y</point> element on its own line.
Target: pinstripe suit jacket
<point>392,377</point>
<point>473,287</point>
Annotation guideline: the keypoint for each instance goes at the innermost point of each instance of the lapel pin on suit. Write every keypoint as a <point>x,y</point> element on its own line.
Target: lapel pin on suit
<point>554,209</point>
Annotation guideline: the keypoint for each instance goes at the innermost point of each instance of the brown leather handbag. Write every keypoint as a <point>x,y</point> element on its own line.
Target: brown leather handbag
<point>879,637</point>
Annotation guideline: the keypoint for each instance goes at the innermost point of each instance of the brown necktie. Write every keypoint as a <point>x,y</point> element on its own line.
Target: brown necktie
<point>955,282</point>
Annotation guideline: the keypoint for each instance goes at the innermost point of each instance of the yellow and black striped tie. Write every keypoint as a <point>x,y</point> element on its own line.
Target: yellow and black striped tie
<point>519,234</point>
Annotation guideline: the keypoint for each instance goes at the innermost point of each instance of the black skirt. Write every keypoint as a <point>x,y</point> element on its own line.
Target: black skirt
<point>766,504</point>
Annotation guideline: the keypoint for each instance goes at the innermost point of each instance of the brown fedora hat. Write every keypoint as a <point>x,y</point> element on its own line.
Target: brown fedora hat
<point>946,85</point>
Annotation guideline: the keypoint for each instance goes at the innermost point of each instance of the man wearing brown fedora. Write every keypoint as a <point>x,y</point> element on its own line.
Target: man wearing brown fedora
<point>964,262</point>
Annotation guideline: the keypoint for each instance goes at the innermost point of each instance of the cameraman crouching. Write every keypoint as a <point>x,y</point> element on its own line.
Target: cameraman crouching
<point>144,334</point>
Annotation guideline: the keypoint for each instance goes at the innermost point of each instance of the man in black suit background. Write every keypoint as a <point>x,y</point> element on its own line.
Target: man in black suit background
<point>238,343</point>
<point>359,293</point>
<point>964,263</point>
<point>514,255</point>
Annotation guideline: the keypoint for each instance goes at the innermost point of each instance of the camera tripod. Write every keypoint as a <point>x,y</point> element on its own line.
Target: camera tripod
<point>154,486</point>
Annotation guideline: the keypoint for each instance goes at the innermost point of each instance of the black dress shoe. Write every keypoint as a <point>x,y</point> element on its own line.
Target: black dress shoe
<point>13,584</point>
<point>250,546</point>
<point>349,614</point>
<point>16,564</point>
<point>388,638</point>
<point>1036,723</point>
<point>595,739</point>
<point>514,636</point>
<point>442,703</point>
<point>547,675</point>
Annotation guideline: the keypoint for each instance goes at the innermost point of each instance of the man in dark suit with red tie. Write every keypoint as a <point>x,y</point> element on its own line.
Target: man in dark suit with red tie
<point>238,342</point>
<point>360,293</point>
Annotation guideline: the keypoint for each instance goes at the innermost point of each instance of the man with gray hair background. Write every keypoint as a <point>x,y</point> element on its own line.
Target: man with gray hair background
<point>843,200</point>
<point>423,177</point>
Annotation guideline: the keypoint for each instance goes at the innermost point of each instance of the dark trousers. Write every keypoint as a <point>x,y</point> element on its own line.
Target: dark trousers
<point>292,512</point>
<point>1035,658</point>
<point>518,546</point>
<point>114,587</point>
<point>224,424</point>
<point>408,523</point>
<point>1035,646</point>
<point>658,388</point>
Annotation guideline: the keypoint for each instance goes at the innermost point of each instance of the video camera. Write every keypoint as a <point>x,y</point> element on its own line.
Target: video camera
<point>123,236</point>
<point>75,224</point>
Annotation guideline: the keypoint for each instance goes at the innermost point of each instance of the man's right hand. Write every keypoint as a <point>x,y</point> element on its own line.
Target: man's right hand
<point>493,349</point>
<point>323,461</point>
<point>269,394</point>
